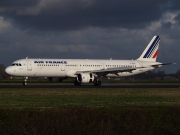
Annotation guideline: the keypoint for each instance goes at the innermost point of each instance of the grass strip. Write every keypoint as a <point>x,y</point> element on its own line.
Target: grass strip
<point>92,97</point>
<point>91,120</point>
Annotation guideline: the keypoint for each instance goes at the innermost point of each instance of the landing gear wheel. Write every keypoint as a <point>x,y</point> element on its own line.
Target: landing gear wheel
<point>97,83</point>
<point>76,83</point>
<point>25,81</point>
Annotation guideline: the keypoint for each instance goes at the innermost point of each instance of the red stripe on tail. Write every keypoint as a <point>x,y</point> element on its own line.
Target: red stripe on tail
<point>155,55</point>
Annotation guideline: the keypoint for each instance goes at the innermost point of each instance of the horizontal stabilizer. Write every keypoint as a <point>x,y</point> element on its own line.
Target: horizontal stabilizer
<point>161,64</point>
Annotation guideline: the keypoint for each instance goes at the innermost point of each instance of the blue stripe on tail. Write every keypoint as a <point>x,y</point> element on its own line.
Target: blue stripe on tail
<point>151,48</point>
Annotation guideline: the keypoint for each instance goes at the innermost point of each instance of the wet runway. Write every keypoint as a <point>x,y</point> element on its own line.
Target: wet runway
<point>92,86</point>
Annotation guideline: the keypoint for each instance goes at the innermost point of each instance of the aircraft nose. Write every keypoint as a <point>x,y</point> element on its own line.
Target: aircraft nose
<point>8,70</point>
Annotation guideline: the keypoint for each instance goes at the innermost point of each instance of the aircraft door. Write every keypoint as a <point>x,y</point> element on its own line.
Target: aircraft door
<point>103,65</point>
<point>29,65</point>
<point>62,67</point>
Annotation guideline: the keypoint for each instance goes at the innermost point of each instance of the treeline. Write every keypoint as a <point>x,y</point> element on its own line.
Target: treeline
<point>157,75</point>
<point>2,72</point>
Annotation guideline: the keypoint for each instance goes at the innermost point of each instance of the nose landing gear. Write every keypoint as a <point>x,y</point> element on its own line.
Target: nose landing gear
<point>25,81</point>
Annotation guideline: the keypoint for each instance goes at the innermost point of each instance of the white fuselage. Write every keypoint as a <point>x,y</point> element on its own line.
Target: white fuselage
<point>69,67</point>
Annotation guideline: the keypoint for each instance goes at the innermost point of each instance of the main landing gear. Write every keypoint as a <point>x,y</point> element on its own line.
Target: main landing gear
<point>97,82</point>
<point>76,83</point>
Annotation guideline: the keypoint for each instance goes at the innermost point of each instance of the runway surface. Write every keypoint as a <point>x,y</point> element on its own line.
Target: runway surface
<point>92,86</point>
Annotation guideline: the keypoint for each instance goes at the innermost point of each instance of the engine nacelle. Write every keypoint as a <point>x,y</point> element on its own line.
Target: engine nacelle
<point>85,77</point>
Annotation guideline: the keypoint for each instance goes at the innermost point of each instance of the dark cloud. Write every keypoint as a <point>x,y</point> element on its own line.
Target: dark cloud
<point>173,4</point>
<point>78,14</point>
<point>167,25</point>
<point>18,3</point>
<point>177,18</point>
<point>120,29</point>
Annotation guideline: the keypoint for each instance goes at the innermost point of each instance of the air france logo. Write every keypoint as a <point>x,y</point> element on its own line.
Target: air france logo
<point>153,49</point>
<point>50,62</point>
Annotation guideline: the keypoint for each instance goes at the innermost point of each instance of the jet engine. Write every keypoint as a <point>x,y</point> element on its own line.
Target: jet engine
<point>85,77</point>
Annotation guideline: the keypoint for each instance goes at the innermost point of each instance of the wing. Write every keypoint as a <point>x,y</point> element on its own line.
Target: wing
<point>104,72</point>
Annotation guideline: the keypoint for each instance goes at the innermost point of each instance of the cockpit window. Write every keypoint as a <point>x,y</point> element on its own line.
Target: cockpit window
<point>13,64</point>
<point>16,64</point>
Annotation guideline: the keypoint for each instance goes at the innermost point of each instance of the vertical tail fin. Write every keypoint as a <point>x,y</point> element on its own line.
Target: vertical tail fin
<point>151,51</point>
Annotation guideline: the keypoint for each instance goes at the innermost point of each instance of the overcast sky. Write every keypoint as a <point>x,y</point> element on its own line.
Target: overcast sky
<point>102,29</point>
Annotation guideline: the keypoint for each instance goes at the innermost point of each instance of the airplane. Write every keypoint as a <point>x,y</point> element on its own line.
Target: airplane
<point>87,70</point>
